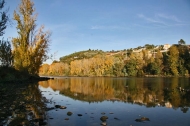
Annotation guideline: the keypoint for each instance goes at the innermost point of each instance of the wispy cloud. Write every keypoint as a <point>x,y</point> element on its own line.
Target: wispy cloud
<point>163,20</point>
<point>151,20</point>
<point>169,17</point>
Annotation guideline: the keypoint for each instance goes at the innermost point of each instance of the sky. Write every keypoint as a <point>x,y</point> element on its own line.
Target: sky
<point>78,25</point>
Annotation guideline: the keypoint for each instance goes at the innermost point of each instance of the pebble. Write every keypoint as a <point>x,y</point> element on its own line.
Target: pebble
<point>79,114</point>
<point>69,113</point>
<point>103,123</point>
<point>66,118</point>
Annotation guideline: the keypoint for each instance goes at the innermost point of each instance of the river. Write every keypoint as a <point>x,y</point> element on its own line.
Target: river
<point>92,101</point>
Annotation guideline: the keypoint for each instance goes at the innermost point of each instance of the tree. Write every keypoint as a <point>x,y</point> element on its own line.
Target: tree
<point>173,60</point>
<point>5,47</point>
<point>57,69</point>
<point>184,59</point>
<point>134,64</point>
<point>181,42</point>
<point>3,18</point>
<point>166,64</point>
<point>44,69</point>
<point>31,46</point>
<point>76,67</point>
<point>159,61</point>
<point>147,46</point>
<point>130,67</point>
<point>6,57</point>
<point>153,68</point>
<point>118,67</point>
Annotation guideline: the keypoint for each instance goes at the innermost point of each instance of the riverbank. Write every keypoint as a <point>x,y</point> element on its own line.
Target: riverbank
<point>11,75</point>
<point>146,76</point>
<point>21,101</point>
<point>21,104</point>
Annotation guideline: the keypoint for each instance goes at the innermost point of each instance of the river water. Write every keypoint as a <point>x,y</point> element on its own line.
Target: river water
<point>124,101</point>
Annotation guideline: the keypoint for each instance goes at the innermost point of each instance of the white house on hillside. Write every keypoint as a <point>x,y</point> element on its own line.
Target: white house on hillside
<point>166,46</point>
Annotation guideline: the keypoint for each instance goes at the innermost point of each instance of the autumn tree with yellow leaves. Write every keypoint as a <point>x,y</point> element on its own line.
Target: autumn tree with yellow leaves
<point>31,46</point>
<point>97,66</point>
<point>173,60</point>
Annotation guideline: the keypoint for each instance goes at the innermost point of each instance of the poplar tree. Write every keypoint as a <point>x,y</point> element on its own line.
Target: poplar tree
<point>173,60</point>
<point>31,46</point>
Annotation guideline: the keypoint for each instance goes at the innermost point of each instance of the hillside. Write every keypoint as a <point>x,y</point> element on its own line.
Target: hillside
<point>163,60</point>
<point>87,54</point>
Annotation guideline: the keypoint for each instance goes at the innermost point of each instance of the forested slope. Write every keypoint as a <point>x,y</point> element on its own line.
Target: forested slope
<point>140,61</point>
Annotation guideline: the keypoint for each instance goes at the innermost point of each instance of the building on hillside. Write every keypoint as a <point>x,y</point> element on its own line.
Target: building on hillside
<point>188,46</point>
<point>166,46</point>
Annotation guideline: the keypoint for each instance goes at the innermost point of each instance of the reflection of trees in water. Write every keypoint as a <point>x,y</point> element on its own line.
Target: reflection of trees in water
<point>28,108</point>
<point>35,101</point>
<point>147,91</point>
<point>56,84</point>
<point>96,89</point>
<point>175,94</point>
<point>178,93</point>
<point>134,91</point>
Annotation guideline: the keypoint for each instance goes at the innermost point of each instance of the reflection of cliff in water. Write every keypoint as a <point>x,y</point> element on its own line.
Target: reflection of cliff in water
<point>169,92</point>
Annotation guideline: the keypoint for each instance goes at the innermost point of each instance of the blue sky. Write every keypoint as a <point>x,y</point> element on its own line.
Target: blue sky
<point>106,25</point>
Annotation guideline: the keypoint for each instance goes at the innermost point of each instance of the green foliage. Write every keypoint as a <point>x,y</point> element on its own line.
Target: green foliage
<point>184,56</point>
<point>6,57</point>
<point>131,68</point>
<point>5,47</point>
<point>148,46</point>
<point>4,18</point>
<point>118,69</point>
<point>181,42</point>
<point>166,69</point>
<point>181,68</point>
<point>153,68</point>
<point>80,55</point>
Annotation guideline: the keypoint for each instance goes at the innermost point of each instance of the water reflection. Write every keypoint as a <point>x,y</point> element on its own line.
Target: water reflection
<point>35,101</point>
<point>150,92</point>
<point>22,104</point>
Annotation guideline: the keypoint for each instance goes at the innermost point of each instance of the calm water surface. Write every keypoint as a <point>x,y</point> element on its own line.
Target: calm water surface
<point>165,101</point>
